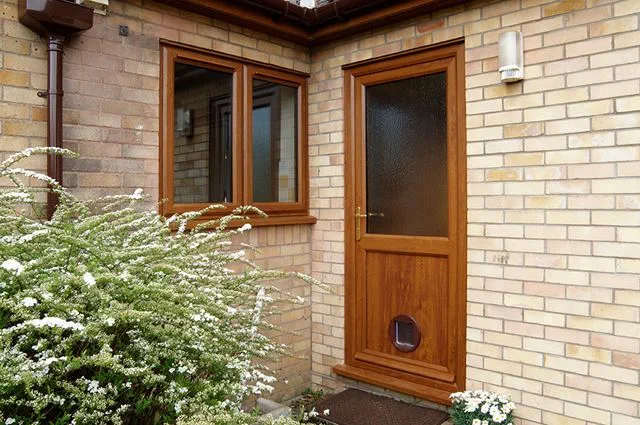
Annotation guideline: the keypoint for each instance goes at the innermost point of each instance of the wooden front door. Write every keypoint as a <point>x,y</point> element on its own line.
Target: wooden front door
<point>406,222</point>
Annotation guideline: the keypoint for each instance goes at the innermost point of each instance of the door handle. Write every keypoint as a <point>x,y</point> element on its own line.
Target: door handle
<point>359,216</point>
<point>359,213</point>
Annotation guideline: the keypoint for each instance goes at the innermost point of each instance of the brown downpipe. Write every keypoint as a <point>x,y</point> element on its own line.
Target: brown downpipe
<point>56,20</point>
<point>55,52</point>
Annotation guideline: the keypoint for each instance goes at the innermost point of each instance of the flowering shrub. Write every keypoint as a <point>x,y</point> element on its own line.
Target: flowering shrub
<point>481,408</point>
<point>107,317</point>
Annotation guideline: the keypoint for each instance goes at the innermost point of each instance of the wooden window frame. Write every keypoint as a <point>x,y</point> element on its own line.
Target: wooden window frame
<point>243,72</point>
<point>301,205</point>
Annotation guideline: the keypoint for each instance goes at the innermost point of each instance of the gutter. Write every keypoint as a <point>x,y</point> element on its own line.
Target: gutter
<point>54,20</point>
<point>330,21</point>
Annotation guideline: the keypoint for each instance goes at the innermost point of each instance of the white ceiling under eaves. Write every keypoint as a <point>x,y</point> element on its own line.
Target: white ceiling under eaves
<point>308,3</point>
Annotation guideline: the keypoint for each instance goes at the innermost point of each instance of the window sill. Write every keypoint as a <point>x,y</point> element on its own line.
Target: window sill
<point>261,221</point>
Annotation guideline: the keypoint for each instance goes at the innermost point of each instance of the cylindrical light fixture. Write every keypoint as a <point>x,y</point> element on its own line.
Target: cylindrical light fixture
<point>511,63</point>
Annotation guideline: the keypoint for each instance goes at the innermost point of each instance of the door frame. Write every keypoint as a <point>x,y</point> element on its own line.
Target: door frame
<point>415,385</point>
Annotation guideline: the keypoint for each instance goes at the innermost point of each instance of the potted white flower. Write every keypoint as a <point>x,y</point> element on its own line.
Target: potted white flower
<point>481,408</point>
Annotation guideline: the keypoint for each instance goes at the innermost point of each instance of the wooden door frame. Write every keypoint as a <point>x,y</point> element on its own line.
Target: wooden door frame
<point>418,386</point>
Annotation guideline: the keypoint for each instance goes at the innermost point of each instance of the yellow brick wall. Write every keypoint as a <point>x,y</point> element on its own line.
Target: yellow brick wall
<point>111,116</point>
<point>553,180</point>
<point>553,184</point>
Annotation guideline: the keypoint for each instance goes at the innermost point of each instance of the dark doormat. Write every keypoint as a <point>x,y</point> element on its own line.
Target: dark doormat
<point>355,407</point>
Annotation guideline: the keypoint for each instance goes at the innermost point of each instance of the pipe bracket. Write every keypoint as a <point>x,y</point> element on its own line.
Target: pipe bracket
<point>53,93</point>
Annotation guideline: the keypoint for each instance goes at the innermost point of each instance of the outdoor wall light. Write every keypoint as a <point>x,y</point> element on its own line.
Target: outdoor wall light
<point>511,66</point>
<point>184,122</point>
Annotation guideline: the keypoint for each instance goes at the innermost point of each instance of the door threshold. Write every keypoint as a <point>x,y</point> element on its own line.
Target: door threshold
<point>396,384</point>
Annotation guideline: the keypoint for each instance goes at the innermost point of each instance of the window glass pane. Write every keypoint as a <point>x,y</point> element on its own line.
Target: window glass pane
<point>406,144</point>
<point>275,142</point>
<point>202,135</point>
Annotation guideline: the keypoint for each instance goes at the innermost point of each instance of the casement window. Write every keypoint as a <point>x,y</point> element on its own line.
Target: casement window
<point>233,132</point>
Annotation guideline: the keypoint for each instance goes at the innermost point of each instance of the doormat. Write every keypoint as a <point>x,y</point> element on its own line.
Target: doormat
<point>355,407</point>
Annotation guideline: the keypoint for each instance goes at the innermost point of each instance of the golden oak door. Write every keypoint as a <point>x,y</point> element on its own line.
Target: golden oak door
<point>405,222</point>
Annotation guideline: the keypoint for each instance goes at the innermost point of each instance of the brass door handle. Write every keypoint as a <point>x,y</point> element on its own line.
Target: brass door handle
<point>358,216</point>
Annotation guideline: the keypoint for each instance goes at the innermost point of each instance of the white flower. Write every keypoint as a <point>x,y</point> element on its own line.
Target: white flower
<point>51,322</point>
<point>498,406</point>
<point>326,412</point>
<point>29,302</point>
<point>244,228</point>
<point>237,255</point>
<point>500,417</point>
<point>472,405</point>
<point>89,279</point>
<point>10,421</point>
<point>138,194</point>
<point>93,386</point>
<point>14,266</point>
<point>110,321</point>
<point>509,407</point>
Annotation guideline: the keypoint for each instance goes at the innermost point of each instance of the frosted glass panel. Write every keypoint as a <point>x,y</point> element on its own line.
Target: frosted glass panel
<point>202,137</point>
<point>406,152</point>
<point>275,142</point>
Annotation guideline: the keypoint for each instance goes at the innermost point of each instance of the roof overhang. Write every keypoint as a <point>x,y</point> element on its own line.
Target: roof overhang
<point>311,27</point>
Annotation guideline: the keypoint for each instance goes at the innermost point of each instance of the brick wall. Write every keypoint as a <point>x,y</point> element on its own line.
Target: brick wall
<point>554,192</point>
<point>554,180</point>
<point>111,118</point>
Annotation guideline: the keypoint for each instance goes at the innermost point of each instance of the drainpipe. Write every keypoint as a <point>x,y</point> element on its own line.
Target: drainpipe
<point>55,20</point>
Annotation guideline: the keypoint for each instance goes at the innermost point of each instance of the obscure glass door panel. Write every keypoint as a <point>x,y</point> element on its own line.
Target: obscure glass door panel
<point>406,156</point>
